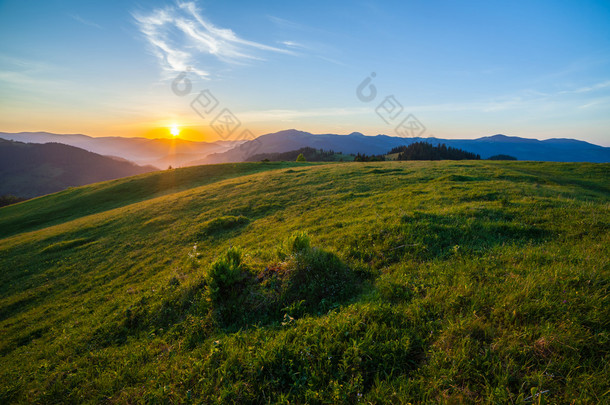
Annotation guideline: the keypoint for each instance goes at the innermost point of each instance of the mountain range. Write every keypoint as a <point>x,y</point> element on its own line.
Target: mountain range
<point>555,150</point>
<point>31,170</point>
<point>160,152</point>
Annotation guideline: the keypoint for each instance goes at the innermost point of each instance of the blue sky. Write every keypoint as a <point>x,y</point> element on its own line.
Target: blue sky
<point>534,69</point>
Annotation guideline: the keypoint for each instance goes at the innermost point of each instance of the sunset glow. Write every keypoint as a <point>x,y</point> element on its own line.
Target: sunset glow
<point>456,78</point>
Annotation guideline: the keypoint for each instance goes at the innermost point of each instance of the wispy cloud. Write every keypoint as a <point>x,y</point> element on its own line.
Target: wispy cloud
<point>525,100</point>
<point>24,75</point>
<point>293,44</point>
<point>588,89</point>
<point>599,102</point>
<point>314,41</point>
<point>284,23</point>
<point>180,34</point>
<point>83,21</point>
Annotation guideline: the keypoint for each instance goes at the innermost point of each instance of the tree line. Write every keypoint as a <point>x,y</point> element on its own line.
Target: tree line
<point>414,151</point>
<point>427,151</point>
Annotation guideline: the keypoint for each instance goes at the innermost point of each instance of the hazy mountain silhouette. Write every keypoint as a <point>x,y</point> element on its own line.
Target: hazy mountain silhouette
<point>31,170</point>
<point>557,150</point>
<point>160,153</point>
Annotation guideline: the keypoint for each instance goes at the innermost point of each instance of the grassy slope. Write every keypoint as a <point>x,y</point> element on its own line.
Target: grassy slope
<point>77,202</point>
<point>483,281</point>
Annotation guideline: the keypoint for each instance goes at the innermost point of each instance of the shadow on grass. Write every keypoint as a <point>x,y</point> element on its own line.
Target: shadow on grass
<point>426,236</point>
<point>221,227</point>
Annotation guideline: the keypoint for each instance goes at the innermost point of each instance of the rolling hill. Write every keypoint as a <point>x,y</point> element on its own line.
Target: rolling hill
<point>31,170</point>
<point>558,150</point>
<point>160,153</point>
<point>386,282</point>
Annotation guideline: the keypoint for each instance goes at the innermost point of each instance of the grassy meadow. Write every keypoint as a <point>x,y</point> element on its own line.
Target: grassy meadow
<point>285,282</point>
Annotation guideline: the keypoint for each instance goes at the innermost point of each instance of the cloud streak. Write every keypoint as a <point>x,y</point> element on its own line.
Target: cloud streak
<point>527,100</point>
<point>83,21</point>
<point>524,100</point>
<point>588,89</point>
<point>180,34</point>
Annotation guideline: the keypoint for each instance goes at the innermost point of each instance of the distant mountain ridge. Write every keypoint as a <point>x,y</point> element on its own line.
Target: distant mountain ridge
<point>31,170</point>
<point>160,153</point>
<point>554,150</point>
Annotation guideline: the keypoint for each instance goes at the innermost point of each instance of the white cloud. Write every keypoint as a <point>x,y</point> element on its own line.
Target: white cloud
<point>180,34</point>
<point>293,44</point>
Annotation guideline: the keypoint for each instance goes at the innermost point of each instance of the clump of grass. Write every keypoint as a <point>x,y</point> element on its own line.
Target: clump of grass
<point>228,284</point>
<point>298,243</point>
<point>226,275</point>
<point>313,275</point>
<point>223,224</point>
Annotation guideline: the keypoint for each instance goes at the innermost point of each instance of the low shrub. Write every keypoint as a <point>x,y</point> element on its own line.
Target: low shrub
<point>225,275</point>
<point>228,280</point>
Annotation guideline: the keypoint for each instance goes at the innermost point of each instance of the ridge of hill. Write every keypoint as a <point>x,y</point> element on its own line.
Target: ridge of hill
<point>91,199</point>
<point>160,152</point>
<point>30,170</point>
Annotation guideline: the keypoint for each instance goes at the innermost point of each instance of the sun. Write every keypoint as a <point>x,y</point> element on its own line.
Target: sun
<point>174,130</point>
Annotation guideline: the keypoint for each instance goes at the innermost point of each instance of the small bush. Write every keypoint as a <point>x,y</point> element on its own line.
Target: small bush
<point>229,284</point>
<point>226,275</point>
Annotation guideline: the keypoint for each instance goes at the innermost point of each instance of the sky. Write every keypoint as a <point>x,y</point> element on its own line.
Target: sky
<point>221,70</point>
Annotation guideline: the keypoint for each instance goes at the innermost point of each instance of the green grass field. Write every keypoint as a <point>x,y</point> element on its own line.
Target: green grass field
<point>389,282</point>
